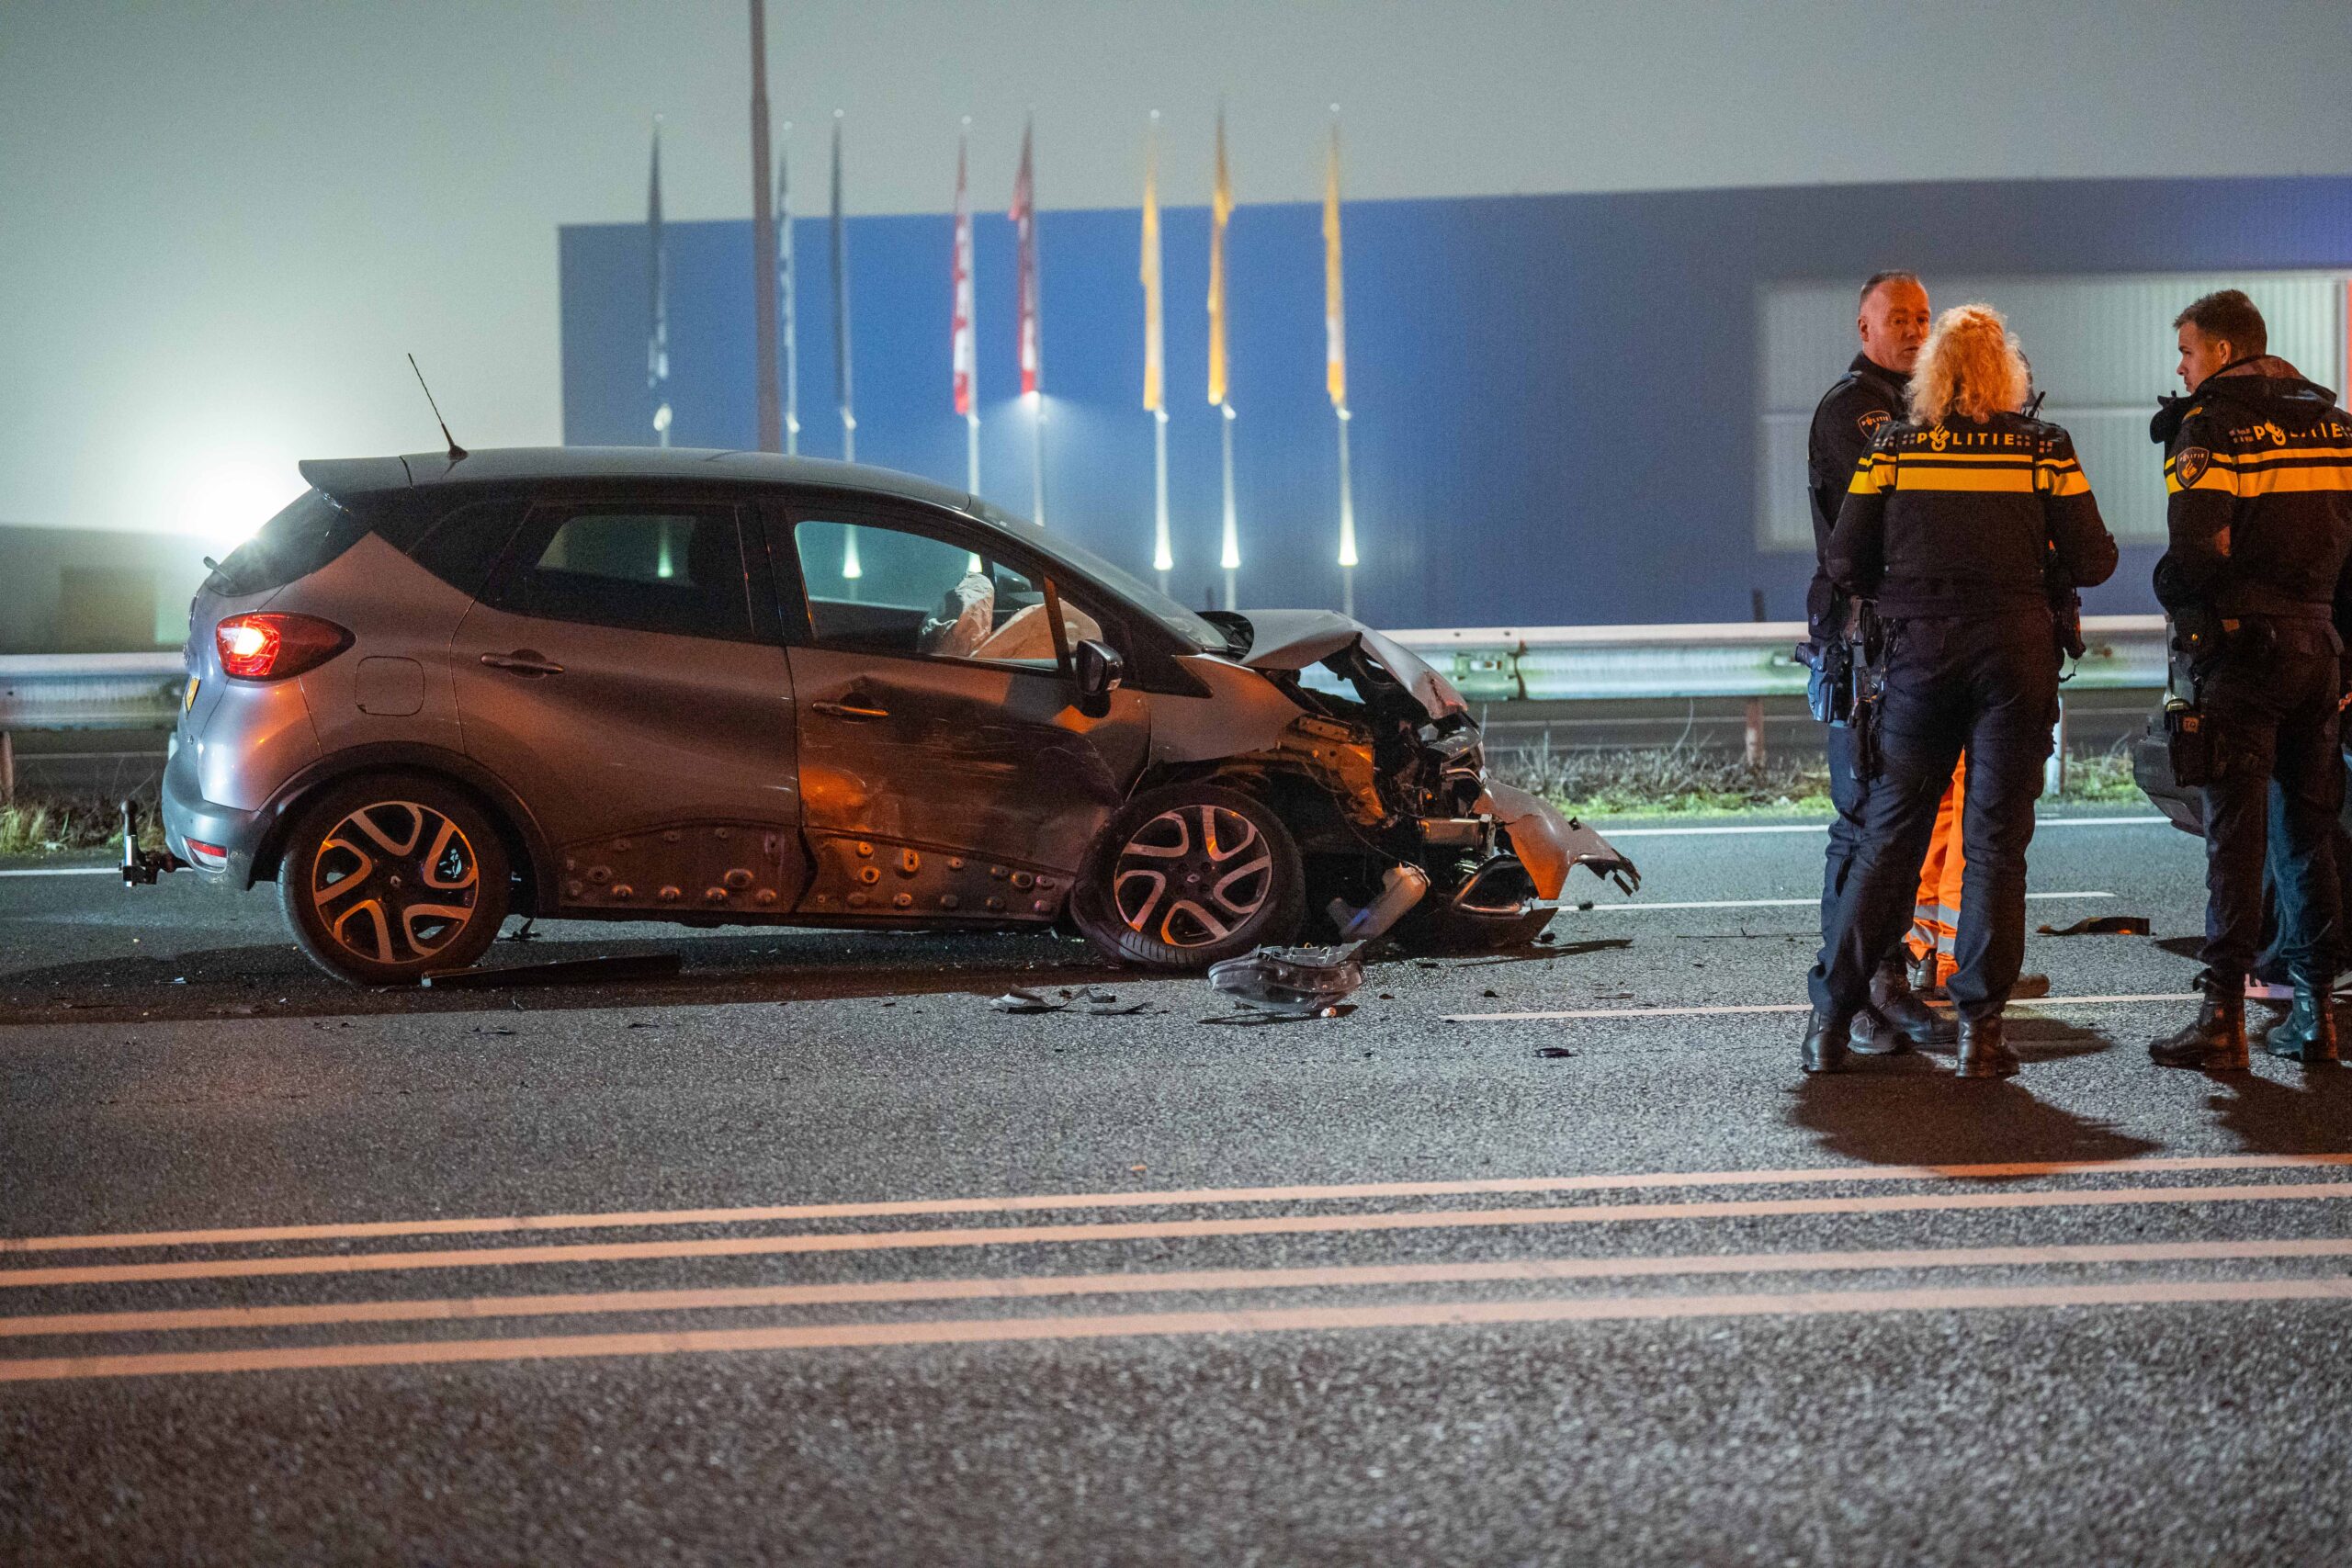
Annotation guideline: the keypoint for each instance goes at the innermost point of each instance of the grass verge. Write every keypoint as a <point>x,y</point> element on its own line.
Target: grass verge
<point>35,826</point>
<point>1677,781</point>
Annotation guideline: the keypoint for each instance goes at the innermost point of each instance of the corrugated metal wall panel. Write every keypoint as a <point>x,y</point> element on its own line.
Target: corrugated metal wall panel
<point>2102,348</point>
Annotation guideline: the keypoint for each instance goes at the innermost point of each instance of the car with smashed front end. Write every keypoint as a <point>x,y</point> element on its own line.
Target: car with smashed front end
<point>727,688</point>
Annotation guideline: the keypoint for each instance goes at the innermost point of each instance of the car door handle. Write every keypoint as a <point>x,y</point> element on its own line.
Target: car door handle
<point>848,710</point>
<point>522,661</point>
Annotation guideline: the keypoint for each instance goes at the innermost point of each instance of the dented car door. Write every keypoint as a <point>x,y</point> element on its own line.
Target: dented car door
<point>946,768</point>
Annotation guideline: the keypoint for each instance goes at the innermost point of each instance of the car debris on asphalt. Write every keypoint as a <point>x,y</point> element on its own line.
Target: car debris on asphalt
<point>1092,1000</point>
<point>1291,982</point>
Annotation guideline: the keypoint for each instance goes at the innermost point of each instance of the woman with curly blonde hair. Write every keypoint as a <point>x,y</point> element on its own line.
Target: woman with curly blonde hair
<point>1955,523</point>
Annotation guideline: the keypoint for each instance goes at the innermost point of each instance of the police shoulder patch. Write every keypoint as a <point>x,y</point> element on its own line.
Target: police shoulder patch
<point>1872,420</point>
<point>2189,465</point>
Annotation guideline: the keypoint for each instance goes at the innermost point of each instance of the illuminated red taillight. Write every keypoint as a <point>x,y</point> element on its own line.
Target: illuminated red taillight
<point>210,857</point>
<point>269,646</point>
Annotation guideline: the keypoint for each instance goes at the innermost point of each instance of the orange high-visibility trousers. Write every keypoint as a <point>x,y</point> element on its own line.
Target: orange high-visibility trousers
<point>1935,918</point>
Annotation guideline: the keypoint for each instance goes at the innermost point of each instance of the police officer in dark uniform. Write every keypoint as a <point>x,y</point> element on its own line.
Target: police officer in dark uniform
<point>1956,521</point>
<point>1893,320</point>
<point>2258,468</point>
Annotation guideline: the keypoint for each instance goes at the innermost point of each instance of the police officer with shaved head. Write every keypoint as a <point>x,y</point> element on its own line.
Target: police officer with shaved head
<point>2259,470</point>
<point>1892,319</point>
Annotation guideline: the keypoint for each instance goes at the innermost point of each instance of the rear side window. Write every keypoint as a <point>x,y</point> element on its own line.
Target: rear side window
<point>314,530</point>
<point>674,570</point>
<point>460,547</point>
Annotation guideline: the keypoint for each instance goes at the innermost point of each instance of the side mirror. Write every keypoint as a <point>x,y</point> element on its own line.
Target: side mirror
<point>1099,671</point>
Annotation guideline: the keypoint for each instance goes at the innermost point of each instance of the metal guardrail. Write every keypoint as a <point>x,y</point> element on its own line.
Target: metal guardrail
<point>90,690</point>
<point>1733,659</point>
<point>141,691</point>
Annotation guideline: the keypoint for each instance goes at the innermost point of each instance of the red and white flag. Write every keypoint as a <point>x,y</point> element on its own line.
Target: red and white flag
<point>960,351</point>
<point>1024,230</point>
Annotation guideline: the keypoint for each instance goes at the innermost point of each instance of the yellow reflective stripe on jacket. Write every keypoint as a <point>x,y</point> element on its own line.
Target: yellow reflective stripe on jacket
<point>1873,475</point>
<point>2012,476</point>
<point>2292,478</point>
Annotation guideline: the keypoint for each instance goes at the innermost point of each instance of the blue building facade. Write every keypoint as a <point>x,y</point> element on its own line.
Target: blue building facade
<point>1556,397</point>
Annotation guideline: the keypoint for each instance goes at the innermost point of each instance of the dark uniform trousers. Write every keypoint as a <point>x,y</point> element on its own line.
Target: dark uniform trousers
<point>1848,790</point>
<point>2276,789</point>
<point>1986,686</point>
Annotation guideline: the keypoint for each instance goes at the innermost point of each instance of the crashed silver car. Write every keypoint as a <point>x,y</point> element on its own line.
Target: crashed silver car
<point>727,688</point>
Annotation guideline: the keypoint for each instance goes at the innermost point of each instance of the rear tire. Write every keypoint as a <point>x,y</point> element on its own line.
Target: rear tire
<point>1189,875</point>
<point>389,877</point>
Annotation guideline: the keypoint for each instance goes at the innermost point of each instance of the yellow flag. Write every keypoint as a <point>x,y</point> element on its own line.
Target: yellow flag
<point>1220,212</point>
<point>1153,344</point>
<point>1335,315</point>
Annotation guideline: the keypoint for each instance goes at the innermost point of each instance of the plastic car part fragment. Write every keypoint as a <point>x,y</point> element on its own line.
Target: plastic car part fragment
<point>1552,845</point>
<point>1291,981</point>
<point>1401,888</point>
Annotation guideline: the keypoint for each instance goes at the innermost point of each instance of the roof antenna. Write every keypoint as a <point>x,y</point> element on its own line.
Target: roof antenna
<point>457,453</point>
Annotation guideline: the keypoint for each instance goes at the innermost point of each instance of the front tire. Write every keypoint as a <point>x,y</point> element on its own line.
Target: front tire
<point>1190,874</point>
<point>388,878</point>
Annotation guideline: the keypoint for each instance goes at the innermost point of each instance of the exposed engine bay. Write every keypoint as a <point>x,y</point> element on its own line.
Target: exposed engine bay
<point>1402,760</point>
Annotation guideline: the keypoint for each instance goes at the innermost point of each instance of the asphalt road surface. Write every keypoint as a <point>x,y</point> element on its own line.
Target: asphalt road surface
<point>808,1255</point>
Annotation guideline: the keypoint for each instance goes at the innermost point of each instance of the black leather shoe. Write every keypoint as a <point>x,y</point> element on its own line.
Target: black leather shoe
<point>1985,1050</point>
<point>1825,1041</point>
<point>1910,1022</point>
<point>2307,1034</point>
<point>2215,1043</point>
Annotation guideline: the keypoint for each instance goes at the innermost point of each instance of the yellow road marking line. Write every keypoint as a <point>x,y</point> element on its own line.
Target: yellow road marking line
<point>1126,1326</point>
<point>505,1224</point>
<point>477,1308</point>
<point>1146,1230</point>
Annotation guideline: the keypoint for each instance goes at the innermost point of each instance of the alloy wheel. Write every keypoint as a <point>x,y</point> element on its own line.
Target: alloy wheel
<point>1192,875</point>
<point>395,882</point>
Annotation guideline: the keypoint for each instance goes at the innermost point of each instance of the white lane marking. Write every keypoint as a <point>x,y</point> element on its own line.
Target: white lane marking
<point>2030,1004</point>
<point>1632,907</point>
<point>468,1309</point>
<point>505,1224</point>
<point>1152,1230</point>
<point>1613,834</point>
<point>67,871</point>
<point>1126,1326</point>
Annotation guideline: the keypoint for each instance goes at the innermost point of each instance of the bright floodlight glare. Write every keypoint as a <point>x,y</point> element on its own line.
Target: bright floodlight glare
<point>226,503</point>
<point>1161,560</point>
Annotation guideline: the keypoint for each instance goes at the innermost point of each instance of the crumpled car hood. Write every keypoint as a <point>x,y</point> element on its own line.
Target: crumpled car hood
<point>1293,639</point>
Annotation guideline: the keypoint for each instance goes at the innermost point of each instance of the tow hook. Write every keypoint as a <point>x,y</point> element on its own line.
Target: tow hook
<point>142,867</point>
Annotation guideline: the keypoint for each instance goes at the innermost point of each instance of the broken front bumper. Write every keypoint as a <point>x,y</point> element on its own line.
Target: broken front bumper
<point>1551,845</point>
<point>1514,892</point>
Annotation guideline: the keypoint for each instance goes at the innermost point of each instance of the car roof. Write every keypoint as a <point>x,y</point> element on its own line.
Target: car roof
<point>344,478</point>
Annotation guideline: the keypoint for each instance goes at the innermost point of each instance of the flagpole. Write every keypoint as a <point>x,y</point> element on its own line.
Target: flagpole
<point>844,384</point>
<point>1155,379</point>
<point>764,263</point>
<point>1229,557</point>
<point>785,286</point>
<point>1162,560</point>
<point>1335,364</point>
<point>657,332</point>
<point>1220,213</point>
<point>963,351</point>
<point>844,387</point>
<point>1347,521</point>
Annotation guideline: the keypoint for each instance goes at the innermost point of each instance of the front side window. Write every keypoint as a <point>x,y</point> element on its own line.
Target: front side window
<point>678,571</point>
<point>887,591</point>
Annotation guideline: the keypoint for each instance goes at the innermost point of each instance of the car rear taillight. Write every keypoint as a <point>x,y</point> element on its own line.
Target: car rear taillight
<point>208,857</point>
<point>271,647</point>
